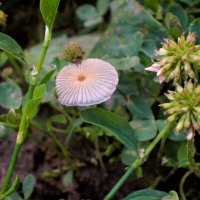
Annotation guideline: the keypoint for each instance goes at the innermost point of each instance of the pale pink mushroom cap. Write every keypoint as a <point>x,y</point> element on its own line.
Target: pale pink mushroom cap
<point>93,81</point>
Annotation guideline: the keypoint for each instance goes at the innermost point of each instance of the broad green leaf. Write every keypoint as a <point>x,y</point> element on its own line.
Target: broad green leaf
<point>5,131</point>
<point>13,196</point>
<point>195,27</point>
<point>119,40</point>
<point>172,196</point>
<point>117,125</point>
<point>173,24</point>
<point>92,22</point>
<point>140,108</point>
<point>28,186</point>
<point>67,178</point>
<point>123,63</point>
<point>11,95</point>
<point>39,91</point>
<point>146,194</point>
<point>10,46</point>
<point>175,154</point>
<point>128,155</point>
<point>153,4</point>
<point>87,12</point>
<point>102,6</point>
<point>178,11</point>
<point>144,129</point>
<point>3,58</point>
<point>48,9</point>
<point>173,135</point>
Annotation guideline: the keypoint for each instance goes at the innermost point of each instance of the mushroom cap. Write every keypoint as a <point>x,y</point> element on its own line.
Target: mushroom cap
<point>91,82</point>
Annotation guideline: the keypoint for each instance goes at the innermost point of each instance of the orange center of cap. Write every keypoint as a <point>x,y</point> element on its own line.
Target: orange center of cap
<point>81,77</point>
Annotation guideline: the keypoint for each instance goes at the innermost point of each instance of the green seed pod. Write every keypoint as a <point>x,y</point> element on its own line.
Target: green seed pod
<point>166,105</point>
<point>187,122</point>
<point>3,18</point>
<point>172,118</point>
<point>180,124</point>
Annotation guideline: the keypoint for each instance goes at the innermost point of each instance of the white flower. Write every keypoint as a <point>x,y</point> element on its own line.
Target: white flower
<point>93,81</point>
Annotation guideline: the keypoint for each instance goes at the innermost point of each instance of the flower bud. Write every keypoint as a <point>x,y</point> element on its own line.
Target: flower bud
<point>73,53</point>
<point>3,18</point>
<point>179,61</point>
<point>180,124</point>
<point>191,38</point>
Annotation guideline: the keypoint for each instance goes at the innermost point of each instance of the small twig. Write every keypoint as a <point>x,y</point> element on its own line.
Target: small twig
<point>99,156</point>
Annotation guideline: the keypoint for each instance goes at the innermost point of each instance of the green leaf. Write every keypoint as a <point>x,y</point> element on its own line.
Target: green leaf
<point>9,45</point>
<point>178,11</point>
<point>173,135</point>
<point>32,108</point>
<point>92,22</point>
<point>60,119</point>
<point>33,105</point>
<point>146,194</point>
<point>173,24</point>
<point>102,6</point>
<point>172,196</point>
<point>87,12</point>
<point>119,40</point>
<point>117,125</point>
<point>48,9</point>
<point>140,108</point>
<point>195,27</point>
<point>11,95</point>
<point>39,91</point>
<point>67,178</point>
<point>28,186</point>
<point>128,156</point>
<point>3,58</point>
<point>123,63</point>
<point>144,129</point>
<point>47,76</point>
<point>13,196</point>
<point>175,154</point>
<point>5,131</point>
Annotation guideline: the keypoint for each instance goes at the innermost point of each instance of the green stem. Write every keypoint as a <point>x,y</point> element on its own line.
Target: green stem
<point>191,152</point>
<point>11,168</point>
<point>61,146</point>
<point>168,128</point>
<point>182,184</point>
<point>24,123</point>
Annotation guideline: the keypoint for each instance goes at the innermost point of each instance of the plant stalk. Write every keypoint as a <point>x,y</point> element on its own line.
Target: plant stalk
<point>164,133</point>
<point>11,168</point>
<point>24,123</point>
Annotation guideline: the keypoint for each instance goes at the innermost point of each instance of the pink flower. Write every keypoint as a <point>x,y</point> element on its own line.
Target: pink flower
<point>153,68</point>
<point>93,81</point>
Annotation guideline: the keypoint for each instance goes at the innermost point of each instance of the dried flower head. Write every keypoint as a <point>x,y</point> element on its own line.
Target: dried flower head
<point>184,107</point>
<point>3,18</point>
<point>177,61</point>
<point>87,83</point>
<point>73,53</point>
